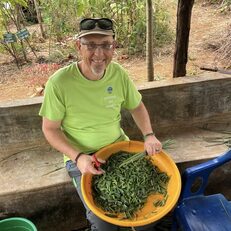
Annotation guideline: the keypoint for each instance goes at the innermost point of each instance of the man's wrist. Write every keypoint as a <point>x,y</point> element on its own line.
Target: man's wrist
<point>148,134</point>
<point>77,157</point>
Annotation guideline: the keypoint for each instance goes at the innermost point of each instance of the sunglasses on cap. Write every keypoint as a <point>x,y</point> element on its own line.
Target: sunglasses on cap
<point>91,23</point>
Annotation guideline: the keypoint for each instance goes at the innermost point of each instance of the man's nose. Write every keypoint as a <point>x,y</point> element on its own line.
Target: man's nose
<point>98,50</point>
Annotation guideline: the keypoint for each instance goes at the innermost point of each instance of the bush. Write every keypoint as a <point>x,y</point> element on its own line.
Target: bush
<point>129,17</point>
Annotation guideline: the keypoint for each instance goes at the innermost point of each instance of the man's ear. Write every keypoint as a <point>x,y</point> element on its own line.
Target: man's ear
<point>78,44</point>
<point>114,44</point>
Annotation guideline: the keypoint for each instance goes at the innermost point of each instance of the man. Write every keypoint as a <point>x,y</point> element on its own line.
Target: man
<point>82,104</point>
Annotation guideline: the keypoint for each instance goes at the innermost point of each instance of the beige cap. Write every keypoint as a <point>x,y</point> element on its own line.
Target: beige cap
<point>96,30</point>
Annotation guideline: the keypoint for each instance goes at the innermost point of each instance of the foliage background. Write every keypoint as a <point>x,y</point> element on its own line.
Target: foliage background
<point>60,20</point>
<point>129,17</point>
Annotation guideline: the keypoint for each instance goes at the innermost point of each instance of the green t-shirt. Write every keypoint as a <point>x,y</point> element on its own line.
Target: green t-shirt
<point>89,110</point>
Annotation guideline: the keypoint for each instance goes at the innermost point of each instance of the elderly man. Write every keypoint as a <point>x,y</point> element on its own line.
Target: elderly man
<point>82,106</point>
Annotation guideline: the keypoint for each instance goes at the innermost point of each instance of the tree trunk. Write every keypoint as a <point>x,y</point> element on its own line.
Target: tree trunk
<point>17,20</point>
<point>184,12</point>
<point>39,17</point>
<point>149,40</point>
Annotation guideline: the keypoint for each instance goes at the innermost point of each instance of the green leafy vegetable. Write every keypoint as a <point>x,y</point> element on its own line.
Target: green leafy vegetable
<point>125,189</point>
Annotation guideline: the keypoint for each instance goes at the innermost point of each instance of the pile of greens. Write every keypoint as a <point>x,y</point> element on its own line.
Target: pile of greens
<point>125,188</point>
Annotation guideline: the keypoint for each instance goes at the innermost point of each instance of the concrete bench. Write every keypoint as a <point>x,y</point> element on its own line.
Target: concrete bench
<point>34,183</point>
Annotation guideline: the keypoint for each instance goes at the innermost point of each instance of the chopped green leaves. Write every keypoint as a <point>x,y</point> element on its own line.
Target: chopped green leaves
<point>125,189</point>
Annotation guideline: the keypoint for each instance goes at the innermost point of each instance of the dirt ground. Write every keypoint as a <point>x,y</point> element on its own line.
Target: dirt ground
<point>207,26</point>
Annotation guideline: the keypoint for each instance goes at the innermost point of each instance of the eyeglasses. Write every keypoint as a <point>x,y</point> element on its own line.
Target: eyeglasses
<point>93,46</point>
<point>102,23</point>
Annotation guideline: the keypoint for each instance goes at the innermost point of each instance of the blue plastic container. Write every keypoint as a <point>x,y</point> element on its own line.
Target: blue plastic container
<point>17,224</point>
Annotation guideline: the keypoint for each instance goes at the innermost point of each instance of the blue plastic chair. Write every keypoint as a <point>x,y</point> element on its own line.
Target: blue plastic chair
<point>197,212</point>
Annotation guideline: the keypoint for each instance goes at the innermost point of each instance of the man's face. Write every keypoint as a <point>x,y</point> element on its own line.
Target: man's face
<point>96,52</point>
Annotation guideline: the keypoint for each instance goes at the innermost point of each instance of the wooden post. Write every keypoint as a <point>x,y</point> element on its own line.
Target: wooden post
<point>149,42</point>
<point>184,12</point>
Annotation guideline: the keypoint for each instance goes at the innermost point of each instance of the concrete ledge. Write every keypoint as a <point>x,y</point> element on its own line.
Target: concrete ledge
<point>42,167</point>
<point>31,170</point>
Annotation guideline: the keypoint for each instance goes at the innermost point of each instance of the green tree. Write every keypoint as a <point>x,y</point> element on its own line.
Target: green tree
<point>10,11</point>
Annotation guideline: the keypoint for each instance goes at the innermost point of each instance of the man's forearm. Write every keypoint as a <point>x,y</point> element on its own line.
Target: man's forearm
<point>142,119</point>
<point>58,140</point>
<point>151,144</point>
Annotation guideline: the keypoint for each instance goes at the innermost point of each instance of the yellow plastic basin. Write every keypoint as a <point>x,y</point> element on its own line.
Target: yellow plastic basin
<point>149,213</point>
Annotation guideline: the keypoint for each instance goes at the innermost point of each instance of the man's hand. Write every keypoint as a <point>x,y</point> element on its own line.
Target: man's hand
<point>152,145</point>
<point>85,164</point>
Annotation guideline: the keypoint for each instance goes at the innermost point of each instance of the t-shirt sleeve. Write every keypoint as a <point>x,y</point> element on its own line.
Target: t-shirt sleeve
<point>132,95</point>
<point>53,106</point>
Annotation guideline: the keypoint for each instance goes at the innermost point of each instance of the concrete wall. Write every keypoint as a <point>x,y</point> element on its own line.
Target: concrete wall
<point>173,105</point>
<point>183,102</point>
